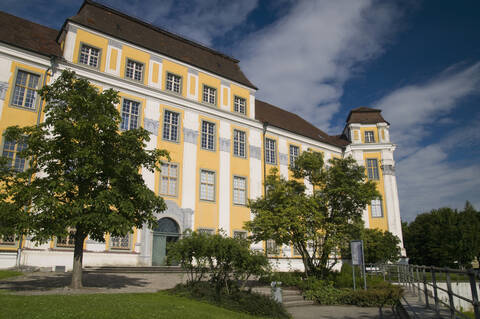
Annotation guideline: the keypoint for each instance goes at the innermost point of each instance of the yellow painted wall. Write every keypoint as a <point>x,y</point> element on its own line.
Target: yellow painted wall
<point>12,115</point>
<point>93,40</point>
<point>113,59</point>
<point>240,92</point>
<point>377,222</point>
<point>204,79</point>
<point>206,212</point>
<point>175,150</point>
<point>177,69</point>
<point>239,166</point>
<point>136,55</point>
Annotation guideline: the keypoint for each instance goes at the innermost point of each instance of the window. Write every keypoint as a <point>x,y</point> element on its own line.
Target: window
<point>270,151</point>
<point>89,56</point>
<point>207,231</point>
<point>170,126</point>
<point>239,190</point>
<point>130,114</point>
<point>239,234</point>
<point>239,138</point>
<point>120,242</point>
<point>209,95</point>
<point>240,105</point>
<point>372,168</point>
<point>207,185</point>
<point>293,155</point>
<point>10,151</point>
<point>134,70</point>
<point>168,179</point>
<point>377,210</point>
<point>208,136</point>
<point>7,240</point>
<point>369,137</point>
<point>174,83</point>
<point>272,247</point>
<point>296,252</point>
<point>25,91</point>
<point>65,242</point>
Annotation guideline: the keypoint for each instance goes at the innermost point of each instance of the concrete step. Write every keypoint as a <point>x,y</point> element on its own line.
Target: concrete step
<point>291,292</point>
<point>127,269</point>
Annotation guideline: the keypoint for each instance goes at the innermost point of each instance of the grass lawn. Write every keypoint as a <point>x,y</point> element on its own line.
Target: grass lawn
<point>118,306</point>
<point>9,273</point>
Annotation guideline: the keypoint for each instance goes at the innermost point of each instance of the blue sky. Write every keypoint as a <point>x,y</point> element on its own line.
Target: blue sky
<point>419,61</point>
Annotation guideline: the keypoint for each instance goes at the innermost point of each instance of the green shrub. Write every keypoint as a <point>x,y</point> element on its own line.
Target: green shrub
<point>288,279</point>
<point>344,278</point>
<point>322,291</point>
<point>238,300</point>
<point>224,261</point>
<point>374,297</point>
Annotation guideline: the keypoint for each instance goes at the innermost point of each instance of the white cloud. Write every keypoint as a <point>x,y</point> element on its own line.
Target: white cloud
<point>415,107</point>
<point>200,20</point>
<point>428,180</point>
<point>302,61</point>
<point>429,174</point>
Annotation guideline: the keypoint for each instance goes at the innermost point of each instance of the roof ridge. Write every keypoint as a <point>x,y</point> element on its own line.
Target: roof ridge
<point>158,29</point>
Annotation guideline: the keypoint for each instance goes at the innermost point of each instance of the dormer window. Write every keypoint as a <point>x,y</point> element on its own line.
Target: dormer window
<point>369,137</point>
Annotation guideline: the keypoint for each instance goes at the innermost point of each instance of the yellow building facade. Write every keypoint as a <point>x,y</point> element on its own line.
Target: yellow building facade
<point>197,104</point>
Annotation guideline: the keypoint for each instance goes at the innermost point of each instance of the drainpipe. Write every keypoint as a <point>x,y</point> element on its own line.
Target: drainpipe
<point>265,125</point>
<point>39,116</point>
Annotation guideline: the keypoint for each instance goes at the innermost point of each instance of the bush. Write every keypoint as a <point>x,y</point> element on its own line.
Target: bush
<point>288,279</point>
<point>238,300</point>
<point>322,292</point>
<point>224,261</point>
<point>375,297</point>
<point>344,278</point>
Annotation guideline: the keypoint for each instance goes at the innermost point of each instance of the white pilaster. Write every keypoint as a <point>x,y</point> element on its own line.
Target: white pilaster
<point>192,84</point>
<point>251,111</point>
<point>155,62</point>
<point>69,46</point>
<point>189,166</point>
<point>224,179</point>
<point>283,157</point>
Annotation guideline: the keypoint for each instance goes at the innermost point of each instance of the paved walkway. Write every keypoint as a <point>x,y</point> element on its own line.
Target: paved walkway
<point>338,312</point>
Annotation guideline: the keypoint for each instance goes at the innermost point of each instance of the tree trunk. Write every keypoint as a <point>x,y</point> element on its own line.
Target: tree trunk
<point>78,261</point>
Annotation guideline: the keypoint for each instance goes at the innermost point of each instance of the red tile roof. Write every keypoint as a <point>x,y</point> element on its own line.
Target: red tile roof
<point>365,115</point>
<point>122,26</point>
<point>275,116</point>
<point>28,35</point>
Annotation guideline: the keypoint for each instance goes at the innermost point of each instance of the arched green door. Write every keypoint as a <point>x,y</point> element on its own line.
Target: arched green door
<point>167,231</point>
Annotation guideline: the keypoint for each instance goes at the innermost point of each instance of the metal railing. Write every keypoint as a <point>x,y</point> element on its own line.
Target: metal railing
<point>434,286</point>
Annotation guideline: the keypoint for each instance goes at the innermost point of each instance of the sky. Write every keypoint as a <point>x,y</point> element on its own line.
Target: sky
<point>417,61</point>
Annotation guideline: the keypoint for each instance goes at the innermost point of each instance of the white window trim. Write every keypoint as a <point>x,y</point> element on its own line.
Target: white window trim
<point>214,146</point>
<point>177,178</point>
<point>239,98</point>
<point>244,143</point>
<point>14,84</point>
<point>173,82</point>
<point>234,189</point>
<point>291,161</point>
<point>178,126</point>
<point>267,151</point>
<point>214,185</point>
<point>99,58</point>
<point>130,113</point>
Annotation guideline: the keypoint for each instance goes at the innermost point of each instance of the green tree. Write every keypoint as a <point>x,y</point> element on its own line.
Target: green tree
<point>319,223</point>
<point>444,237</point>
<point>380,246</point>
<point>86,173</point>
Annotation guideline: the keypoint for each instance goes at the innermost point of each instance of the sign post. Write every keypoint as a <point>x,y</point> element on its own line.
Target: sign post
<point>356,247</point>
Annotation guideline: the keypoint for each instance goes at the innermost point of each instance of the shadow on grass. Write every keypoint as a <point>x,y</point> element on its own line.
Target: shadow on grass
<point>54,281</point>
